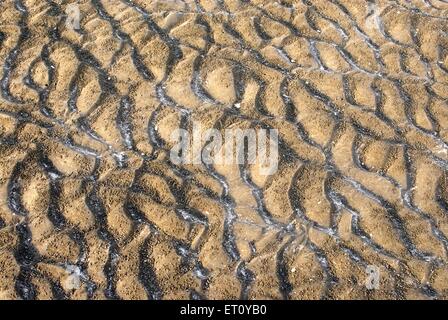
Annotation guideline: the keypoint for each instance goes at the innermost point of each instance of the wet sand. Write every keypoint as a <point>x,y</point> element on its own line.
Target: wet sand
<point>92,207</point>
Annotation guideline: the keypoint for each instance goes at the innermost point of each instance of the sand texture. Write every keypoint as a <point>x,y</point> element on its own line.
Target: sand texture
<point>92,207</point>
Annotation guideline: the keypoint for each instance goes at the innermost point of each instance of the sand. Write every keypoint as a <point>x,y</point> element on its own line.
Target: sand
<point>92,207</point>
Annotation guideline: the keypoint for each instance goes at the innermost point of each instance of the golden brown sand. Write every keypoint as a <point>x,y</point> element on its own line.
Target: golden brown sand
<point>92,208</point>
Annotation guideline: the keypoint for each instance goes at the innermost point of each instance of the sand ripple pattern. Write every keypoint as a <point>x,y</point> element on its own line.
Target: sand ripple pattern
<point>93,208</point>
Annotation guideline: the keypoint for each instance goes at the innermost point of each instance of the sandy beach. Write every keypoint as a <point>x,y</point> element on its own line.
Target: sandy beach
<point>92,205</point>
